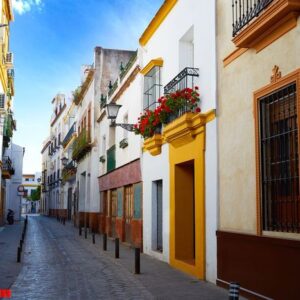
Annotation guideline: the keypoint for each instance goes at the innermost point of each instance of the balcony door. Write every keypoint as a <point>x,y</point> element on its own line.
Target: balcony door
<point>186,50</point>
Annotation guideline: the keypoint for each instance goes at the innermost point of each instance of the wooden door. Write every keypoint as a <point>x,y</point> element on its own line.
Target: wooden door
<point>128,212</point>
<point>113,212</point>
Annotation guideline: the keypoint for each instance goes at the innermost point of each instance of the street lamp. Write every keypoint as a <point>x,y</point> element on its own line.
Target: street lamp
<point>112,113</point>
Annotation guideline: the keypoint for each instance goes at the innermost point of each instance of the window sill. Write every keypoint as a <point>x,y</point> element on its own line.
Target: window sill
<point>277,20</point>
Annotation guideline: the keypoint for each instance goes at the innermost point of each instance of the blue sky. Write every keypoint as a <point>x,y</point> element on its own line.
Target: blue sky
<point>50,40</point>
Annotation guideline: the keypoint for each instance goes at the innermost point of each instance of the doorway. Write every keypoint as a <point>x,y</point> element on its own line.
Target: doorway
<point>128,212</point>
<point>185,212</point>
<point>157,216</point>
<point>69,211</point>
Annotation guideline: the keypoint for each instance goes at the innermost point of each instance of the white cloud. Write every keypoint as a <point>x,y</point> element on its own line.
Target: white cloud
<point>23,6</point>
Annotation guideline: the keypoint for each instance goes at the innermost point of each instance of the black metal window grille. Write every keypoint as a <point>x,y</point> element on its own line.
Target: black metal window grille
<point>185,79</point>
<point>152,88</point>
<point>279,160</point>
<point>243,11</point>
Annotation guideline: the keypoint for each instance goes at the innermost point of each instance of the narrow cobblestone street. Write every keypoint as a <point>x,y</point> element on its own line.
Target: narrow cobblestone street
<point>59,264</point>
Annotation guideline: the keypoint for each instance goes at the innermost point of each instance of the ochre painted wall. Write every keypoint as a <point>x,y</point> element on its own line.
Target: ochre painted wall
<point>189,149</point>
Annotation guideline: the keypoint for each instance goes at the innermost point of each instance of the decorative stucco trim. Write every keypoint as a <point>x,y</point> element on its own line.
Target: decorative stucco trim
<point>156,21</point>
<point>158,62</point>
<point>279,18</point>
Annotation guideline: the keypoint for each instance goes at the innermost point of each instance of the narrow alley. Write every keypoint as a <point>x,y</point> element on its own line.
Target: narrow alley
<point>60,264</point>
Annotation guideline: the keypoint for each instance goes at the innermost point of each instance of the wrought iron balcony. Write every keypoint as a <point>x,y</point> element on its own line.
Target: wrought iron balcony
<point>243,11</point>
<point>69,135</point>
<point>112,88</point>
<point>7,167</point>
<point>185,79</point>
<point>82,144</point>
<point>111,158</point>
<point>69,171</point>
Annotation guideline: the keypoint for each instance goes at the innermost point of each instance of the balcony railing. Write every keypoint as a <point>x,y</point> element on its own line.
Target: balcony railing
<point>128,66</point>
<point>82,144</point>
<point>69,171</point>
<point>111,158</point>
<point>113,88</point>
<point>185,79</point>
<point>243,11</point>
<point>7,167</point>
<point>69,135</point>
<point>102,101</point>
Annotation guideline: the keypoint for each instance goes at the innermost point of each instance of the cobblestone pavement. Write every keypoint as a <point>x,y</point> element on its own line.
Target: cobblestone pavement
<point>59,264</point>
<point>10,236</point>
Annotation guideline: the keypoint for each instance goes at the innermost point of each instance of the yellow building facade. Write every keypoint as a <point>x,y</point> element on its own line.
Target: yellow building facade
<point>6,94</point>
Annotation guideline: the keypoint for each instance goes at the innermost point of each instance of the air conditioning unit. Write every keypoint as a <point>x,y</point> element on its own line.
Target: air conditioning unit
<point>9,59</point>
<point>2,101</point>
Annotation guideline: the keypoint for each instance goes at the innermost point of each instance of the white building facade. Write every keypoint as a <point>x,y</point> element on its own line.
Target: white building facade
<point>187,60</point>
<point>55,194</point>
<point>13,197</point>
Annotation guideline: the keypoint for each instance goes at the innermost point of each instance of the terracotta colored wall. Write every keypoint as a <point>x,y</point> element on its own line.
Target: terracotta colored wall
<point>120,228</point>
<point>108,226</point>
<point>137,233</point>
<point>125,175</point>
<point>264,265</point>
<point>93,221</point>
<point>101,223</point>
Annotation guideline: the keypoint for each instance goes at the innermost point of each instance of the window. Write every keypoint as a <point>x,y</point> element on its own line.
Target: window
<point>186,50</point>
<point>278,143</point>
<point>152,88</point>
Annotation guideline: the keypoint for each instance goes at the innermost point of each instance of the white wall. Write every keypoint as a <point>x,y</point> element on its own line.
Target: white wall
<point>13,200</point>
<point>156,168</point>
<point>131,106</point>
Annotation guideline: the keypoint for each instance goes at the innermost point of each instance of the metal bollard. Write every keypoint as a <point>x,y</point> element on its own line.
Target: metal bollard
<point>234,289</point>
<point>64,221</point>
<point>104,241</point>
<point>85,233</point>
<point>137,260</point>
<point>117,248</point>
<point>80,230</point>
<point>21,245</point>
<point>19,255</point>
<point>93,237</point>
